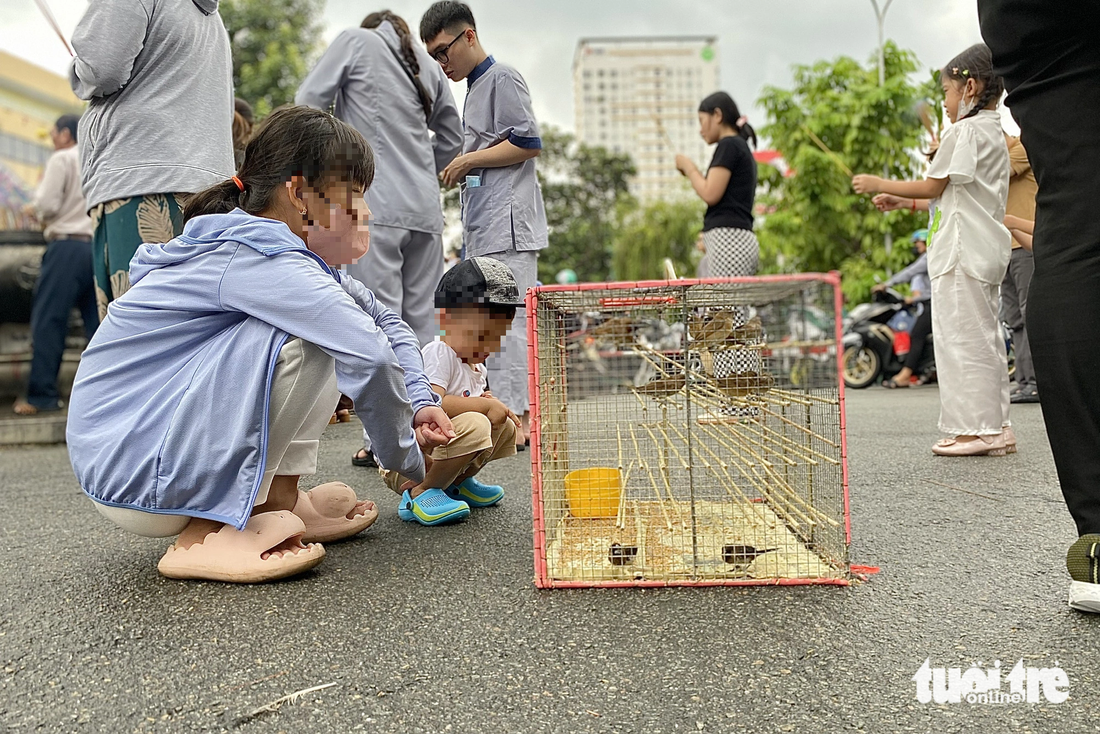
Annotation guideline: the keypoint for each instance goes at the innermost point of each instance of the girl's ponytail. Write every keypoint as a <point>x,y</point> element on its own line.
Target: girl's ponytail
<point>407,52</point>
<point>292,141</point>
<point>220,198</point>
<point>731,116</point>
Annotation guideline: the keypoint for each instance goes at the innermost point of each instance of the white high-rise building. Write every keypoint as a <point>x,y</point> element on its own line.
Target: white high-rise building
<point>640,96</point>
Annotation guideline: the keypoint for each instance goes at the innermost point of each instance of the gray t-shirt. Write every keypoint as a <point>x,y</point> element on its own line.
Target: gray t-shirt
<point>159,80</point>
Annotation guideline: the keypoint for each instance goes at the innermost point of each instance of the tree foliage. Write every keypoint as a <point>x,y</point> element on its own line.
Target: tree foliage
<point>649,234</point>
<point>273,45</point>
<point>814,221</point>
<point>585,190</point>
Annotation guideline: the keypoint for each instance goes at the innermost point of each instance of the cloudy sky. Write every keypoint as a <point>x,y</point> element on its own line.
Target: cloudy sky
<point>758,41</point>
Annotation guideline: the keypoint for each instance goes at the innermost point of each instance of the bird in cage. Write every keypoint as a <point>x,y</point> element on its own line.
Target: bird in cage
<point>712,332</point>
<point>662,387</point>
<point>751,331</point>
<point>618,331</point>
<point>743,554</point>
<point>743,384</point>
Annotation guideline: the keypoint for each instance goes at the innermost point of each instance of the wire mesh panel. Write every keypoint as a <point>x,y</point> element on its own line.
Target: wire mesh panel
<point>688,433</point>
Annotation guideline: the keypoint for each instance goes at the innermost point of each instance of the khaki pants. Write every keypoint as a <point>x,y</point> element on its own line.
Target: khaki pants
<point>475,437</point>
<point>303,397</point>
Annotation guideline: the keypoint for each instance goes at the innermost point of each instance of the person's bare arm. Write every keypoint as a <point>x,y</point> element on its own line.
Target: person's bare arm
<point>1024,238</point>
<point>455,405</point>
<point>710,187</point>
<point>500,155</point>
<point>1026,226</point>
<point>929,188</point>
<point>889,203</point>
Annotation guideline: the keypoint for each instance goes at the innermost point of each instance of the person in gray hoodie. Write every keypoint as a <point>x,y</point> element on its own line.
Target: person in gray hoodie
<point>159,80</point>
<point>385,85</point>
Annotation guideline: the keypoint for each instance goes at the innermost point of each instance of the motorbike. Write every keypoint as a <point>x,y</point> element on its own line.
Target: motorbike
<point>874,350</point>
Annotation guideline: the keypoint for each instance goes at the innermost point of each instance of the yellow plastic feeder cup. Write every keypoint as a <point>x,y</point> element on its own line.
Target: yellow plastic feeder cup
<point>593,493</point>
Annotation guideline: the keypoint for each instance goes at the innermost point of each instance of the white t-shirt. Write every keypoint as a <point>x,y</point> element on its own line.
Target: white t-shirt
<point>967,220</point>
<point>444,369</point>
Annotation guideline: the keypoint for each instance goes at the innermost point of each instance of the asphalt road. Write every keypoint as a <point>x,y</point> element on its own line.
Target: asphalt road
<point>441,629</point>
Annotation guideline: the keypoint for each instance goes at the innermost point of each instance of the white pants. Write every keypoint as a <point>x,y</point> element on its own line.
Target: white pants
<point>971,364</point>
<point>303,397</point>
<point>508,369</point>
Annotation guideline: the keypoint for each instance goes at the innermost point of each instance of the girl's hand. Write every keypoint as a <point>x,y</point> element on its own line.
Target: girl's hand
<point>866,184</point>
<point>684,164</point>
<point>432,427</point>
<point>889,202</point>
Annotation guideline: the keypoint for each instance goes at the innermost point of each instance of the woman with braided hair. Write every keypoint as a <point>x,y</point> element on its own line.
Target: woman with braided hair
<point>380,81</point>
<point>966,191</point>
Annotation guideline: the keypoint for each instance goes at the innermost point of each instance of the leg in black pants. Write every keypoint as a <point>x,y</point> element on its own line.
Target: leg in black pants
<point>918,338</point>
<point>1050,58</point>
<point>64,281</point>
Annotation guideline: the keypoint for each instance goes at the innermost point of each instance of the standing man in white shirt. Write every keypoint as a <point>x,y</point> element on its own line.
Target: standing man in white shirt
<point>65,279</point>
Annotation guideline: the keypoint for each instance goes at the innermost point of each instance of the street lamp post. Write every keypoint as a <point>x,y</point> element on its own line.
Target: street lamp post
<point>880,16</point>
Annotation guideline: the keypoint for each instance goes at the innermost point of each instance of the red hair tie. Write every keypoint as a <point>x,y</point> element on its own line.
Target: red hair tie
<point>237,181</point>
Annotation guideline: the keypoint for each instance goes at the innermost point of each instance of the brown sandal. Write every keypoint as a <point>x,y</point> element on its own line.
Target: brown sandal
<point>324,509</point>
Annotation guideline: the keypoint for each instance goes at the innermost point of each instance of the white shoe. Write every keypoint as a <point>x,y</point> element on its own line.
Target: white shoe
<point>1084,597</point>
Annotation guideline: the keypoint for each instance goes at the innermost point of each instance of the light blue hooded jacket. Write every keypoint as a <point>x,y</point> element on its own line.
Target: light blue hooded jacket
<point>169,409</point>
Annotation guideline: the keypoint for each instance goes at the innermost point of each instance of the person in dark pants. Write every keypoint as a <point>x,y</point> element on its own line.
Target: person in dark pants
<point>1017,282</point>
<point>65,279</point>
<point>1050,60</point>
<point>920,287</point>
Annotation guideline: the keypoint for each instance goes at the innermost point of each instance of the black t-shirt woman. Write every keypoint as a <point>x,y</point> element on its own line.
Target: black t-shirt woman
<point>728,188</point>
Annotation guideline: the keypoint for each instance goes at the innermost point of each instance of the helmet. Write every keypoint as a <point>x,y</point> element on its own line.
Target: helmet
<point>566,277</point>
<point>921,235</point>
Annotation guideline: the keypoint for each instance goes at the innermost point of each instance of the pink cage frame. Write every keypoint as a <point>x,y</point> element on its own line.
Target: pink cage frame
<point>542,576</point>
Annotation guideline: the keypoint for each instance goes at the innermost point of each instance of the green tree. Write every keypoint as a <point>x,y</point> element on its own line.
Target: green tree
<point>273,45</point>
<point>586,193</point>
<point>814,222</point>
<point>651,233</point>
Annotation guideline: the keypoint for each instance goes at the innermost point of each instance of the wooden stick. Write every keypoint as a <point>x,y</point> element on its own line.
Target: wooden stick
<point>653,480</point>
<point>53,24</point>
<point>730,486</point>
<point>663,466</point>
<point>619,435</point>
<point>825,148</point>
<point>789,422</point>
<point>620,516</point>
<point>806,396</point>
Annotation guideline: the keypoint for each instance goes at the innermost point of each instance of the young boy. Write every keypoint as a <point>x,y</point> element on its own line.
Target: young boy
<point>478,299</point>
<point>502,208</point>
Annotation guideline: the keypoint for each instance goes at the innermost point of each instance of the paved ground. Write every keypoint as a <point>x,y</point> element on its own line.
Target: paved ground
<point>428,630</point>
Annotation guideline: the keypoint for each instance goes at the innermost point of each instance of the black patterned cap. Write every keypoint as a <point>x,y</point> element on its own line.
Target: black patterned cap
<point>478,281</point>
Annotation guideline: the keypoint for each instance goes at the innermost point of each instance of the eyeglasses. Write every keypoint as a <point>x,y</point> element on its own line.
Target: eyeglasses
<point>442,54</point>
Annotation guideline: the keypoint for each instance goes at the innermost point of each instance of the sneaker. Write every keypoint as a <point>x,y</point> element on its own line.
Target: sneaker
<point>1083,564</point>
<point>432,507</point>
<point>476,494</point>
<point>1025,394</point>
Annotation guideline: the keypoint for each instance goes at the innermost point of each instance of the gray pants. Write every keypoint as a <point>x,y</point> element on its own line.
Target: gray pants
<point>1014,300</point>
<point>402,269</point>
<point>508,370</point>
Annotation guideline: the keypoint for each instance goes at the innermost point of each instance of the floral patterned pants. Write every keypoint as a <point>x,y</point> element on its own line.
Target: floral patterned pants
<point>121,226</point>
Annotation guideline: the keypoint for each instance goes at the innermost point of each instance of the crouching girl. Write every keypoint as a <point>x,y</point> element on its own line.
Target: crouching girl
<point>202,397</point>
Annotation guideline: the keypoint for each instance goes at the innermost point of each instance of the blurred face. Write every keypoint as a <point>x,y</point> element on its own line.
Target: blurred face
<point>61,138</point>
<point>920,246</point>
<point>455,53</point>
<point>710,126</point>
<point>472,332</point>
<point>955,92</point>
<point>334,225</point>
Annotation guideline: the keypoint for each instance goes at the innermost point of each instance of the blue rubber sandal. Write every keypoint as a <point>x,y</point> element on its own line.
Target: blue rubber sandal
<point>432,507</point>
<point>476,494</point>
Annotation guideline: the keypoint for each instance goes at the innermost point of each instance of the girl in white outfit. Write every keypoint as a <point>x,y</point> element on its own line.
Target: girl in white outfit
<point>969,248</point>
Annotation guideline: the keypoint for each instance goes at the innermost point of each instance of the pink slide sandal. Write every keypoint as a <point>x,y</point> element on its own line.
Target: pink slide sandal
<point>324,510</point>
<point>238,556</point>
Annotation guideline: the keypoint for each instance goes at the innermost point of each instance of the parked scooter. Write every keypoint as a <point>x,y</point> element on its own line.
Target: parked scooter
<point>872,349</point>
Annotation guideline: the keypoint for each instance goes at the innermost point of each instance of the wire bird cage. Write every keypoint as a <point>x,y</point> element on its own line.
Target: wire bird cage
<point>689,433</point>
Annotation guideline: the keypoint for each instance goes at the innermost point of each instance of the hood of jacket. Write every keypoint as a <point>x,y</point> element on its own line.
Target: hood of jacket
<point>212,231</point>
